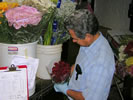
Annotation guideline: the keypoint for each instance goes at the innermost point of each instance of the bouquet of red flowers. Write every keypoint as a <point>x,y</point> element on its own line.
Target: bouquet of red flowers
<point>61,72</point>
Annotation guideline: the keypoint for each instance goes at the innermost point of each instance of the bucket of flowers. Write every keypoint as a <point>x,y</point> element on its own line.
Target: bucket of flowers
<point>33,20</point>
<point>20,24</point>
<point>57,12</point>
<point>20,28</point>
<point>55,33</point>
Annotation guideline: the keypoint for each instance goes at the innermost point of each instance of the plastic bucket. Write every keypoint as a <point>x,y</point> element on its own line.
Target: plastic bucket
<point>47,56</point>
<point>7,51</point>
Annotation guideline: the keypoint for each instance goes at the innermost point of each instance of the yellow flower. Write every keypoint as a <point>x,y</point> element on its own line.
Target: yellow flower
<point>129,61</point>
<point>1,15</point>
<point>4,6</point>
<point>1,11</point>
<point>12,5</point>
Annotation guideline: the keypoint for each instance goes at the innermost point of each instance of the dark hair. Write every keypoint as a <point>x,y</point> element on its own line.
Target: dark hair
<point>82,22</point>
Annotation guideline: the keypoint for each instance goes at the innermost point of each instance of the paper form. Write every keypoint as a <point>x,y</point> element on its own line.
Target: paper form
<point>13,85</point>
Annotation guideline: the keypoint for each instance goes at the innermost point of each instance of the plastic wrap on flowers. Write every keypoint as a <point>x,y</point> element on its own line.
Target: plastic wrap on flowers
<point>60,72</point>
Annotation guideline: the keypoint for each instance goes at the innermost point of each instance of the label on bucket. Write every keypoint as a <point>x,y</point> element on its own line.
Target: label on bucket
<point>13,50</point>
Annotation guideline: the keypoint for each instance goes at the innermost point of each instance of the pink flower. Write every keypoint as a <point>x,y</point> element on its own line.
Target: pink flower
<point>23,16</point>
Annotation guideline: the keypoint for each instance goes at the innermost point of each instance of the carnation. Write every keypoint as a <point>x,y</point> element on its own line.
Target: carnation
<point>60,72</point>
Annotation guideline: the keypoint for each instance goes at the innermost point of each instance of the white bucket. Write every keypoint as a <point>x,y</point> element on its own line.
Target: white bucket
<point>47,56</point>
<point>7,51</point>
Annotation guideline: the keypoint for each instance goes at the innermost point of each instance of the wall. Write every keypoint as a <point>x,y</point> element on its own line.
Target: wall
<point>113,13</point>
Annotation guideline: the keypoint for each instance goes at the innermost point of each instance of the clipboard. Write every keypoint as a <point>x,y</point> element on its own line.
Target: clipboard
<point>14,83</point>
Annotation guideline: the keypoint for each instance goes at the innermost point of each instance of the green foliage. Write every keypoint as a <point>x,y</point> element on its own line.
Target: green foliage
<point>61,35</point>
<point>4,31</point>
<point>49,32</point>
<point>8,34</point>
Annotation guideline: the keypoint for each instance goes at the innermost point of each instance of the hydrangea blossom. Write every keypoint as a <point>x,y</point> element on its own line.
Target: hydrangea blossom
<point>23,16</point>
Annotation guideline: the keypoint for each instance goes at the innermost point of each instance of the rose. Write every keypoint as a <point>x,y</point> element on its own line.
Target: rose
<point>60,72</point>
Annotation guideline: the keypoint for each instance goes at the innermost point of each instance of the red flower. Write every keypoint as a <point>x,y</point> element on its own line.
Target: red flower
<point>129,48</point>
<point>60,72</point>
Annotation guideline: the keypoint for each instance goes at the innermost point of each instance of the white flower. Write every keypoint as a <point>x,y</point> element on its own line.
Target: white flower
<point>41,5</point>
<point>66,9</point>
<point>121,53</point>
<point>121,56</point>
<point>122,47</point>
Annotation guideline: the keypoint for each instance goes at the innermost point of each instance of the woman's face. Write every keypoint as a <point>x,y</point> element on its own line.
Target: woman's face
<point>82,42</point>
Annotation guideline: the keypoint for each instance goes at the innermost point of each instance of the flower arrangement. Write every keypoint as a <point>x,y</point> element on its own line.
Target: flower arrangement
<point>55,31</point>
<point>60,72</point>
<point>20,24</point>
<point>34,20</point>
<point>125,61</point>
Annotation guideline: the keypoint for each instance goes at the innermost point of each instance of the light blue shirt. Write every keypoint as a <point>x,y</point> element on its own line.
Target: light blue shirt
<point>98,65</point>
